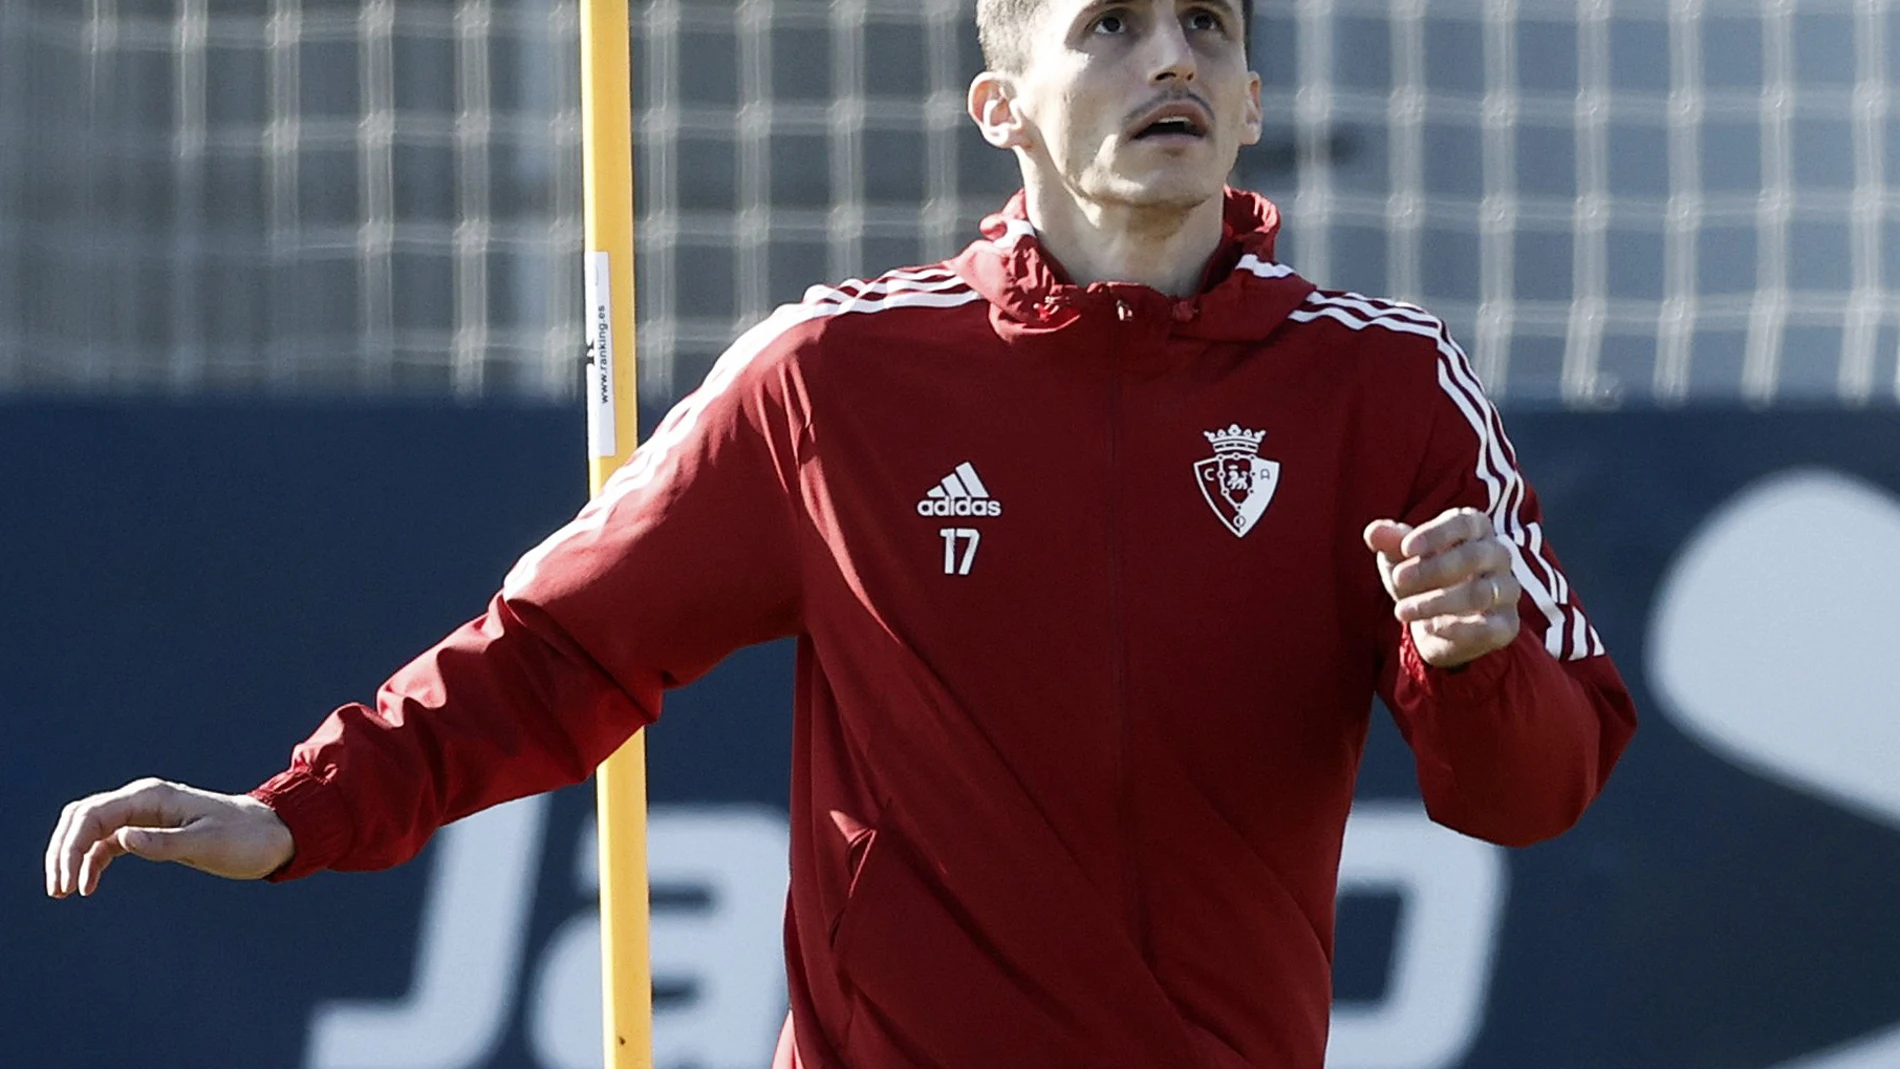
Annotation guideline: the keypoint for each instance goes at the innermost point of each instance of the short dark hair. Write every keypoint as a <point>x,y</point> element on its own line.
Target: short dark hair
<point>1003,25</point>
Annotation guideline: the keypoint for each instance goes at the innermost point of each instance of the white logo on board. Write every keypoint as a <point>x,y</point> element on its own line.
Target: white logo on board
<point>477,974</point>
<point>1808,703</point>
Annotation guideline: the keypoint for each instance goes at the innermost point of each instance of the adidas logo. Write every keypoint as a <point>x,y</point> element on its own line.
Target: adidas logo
<point>961,493</point>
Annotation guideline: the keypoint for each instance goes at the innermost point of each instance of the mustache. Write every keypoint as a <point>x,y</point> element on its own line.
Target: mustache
<point>1164,99</point>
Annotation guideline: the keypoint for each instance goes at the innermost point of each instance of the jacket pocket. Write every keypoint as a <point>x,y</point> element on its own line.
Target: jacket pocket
<point>928,990</point>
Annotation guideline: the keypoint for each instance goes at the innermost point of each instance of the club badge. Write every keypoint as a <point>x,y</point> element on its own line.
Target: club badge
<point>1237,483</point>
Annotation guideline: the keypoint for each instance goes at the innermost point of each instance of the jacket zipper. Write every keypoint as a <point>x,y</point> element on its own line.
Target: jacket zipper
<point>1124,800</point>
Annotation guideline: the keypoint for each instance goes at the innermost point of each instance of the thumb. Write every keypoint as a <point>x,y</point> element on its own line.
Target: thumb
<point>156,844</point>
<point>1384,537</point>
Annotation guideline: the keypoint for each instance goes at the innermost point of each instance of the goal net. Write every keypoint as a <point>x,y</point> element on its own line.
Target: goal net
<point>1612,203</point>
<point>289,197</point>
<point>1667,201</point>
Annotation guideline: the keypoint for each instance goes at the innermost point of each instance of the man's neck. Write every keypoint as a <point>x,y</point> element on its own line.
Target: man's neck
<point>1166,248</point>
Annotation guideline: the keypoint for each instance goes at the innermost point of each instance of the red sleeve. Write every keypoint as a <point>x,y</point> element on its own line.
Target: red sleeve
<point>689,553</point>
<point>1515,745</point>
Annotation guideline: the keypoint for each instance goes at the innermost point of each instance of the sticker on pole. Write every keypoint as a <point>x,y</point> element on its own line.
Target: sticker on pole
<point>600,357</point>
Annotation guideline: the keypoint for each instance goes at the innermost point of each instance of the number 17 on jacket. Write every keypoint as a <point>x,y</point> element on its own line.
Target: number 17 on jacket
<point>959,549</point>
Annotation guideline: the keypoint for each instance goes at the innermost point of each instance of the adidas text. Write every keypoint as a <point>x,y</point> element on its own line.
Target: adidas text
<point>962,506</point>
<point>960,493</point>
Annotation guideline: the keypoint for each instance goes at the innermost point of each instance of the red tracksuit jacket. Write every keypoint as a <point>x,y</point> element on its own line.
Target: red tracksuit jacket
<point>1087,642</point>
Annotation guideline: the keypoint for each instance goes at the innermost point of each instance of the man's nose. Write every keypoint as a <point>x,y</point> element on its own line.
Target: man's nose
<point>1171,57</point>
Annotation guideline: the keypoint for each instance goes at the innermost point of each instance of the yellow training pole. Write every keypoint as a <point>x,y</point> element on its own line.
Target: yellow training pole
<point>612,414</point>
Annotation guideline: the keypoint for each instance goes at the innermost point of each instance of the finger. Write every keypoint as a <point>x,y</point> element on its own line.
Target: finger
<point>1477,595</point>
<point>1465,560</point>
<point>65,863</point>
<point>1443,570</point>
<point>1384,537</point>
<point>1483,593</point>
<point>159,844</point>
<point>52,849</point>
<point>147,801</point>
<point>1509,590</point>
<point>93,865</point>
<point>1463,639</point>
<point>67,848</point>
<point>1448,529</point>
<point>152,844</point>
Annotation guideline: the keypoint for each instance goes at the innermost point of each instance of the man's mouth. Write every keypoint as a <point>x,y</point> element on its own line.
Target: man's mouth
<point>1174,120</point>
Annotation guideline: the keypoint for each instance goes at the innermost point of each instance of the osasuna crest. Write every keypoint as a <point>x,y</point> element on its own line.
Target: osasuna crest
<point>1236,482</point>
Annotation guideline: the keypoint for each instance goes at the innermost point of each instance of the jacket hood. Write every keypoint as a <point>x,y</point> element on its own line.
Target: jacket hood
<point>1244,294</point>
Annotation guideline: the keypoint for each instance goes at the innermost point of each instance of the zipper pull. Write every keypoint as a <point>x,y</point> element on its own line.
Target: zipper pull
<point>1122,311</point>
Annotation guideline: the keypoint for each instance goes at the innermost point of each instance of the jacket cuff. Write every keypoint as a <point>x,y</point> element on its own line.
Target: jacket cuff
<point>1474,682</point>
<point>319,826</point>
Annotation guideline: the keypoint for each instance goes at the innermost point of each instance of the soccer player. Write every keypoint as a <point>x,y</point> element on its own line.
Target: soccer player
<point>1097,542</point>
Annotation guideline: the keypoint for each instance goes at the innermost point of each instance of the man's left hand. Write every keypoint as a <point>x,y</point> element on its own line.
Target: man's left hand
<point>1450,580</point>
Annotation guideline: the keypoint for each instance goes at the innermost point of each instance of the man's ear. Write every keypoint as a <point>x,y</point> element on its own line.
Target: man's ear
<point>992,106</point>
<point>1255,115</point>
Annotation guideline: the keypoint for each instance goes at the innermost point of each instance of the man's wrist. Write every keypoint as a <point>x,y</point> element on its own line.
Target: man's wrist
<point>308,808</point>
<point>1466,681</point>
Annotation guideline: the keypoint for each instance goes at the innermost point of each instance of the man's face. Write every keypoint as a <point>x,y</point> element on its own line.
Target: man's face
<point>1142,103</point>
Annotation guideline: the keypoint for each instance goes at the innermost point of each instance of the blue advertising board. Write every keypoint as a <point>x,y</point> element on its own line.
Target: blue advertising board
<point>190,588</point>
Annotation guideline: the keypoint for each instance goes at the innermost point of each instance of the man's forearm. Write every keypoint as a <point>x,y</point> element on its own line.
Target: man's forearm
<point>496,711</point>
<point>1513,748</point>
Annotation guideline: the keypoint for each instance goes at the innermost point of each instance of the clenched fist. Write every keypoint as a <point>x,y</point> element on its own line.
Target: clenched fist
<point>1450,580</point>
<point>230,835</point>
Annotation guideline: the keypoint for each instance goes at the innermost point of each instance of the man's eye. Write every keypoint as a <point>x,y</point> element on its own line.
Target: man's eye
<point>1111,24</point>
<point>1204,20</point>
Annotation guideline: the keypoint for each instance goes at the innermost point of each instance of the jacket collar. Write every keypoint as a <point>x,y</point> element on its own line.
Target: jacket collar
<point>1244,295</point>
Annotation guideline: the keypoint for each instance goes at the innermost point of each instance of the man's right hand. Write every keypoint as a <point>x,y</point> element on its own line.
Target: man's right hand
<point>230,835</point>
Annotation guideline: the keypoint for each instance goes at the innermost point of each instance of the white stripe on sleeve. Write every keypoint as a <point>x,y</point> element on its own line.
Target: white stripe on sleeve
<point>1568,635</point>
<point>648,461</point>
